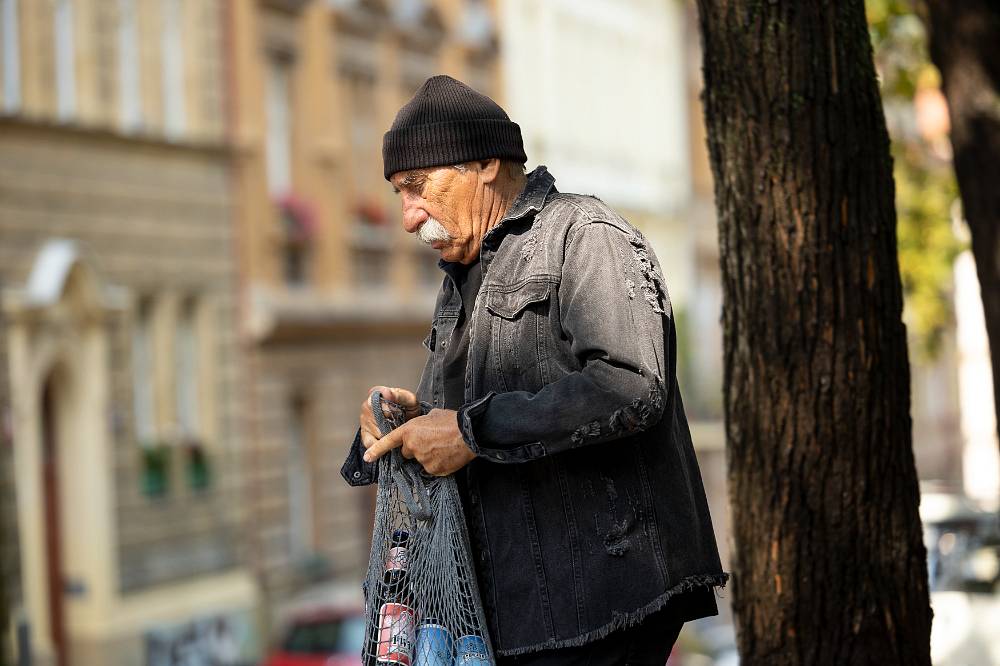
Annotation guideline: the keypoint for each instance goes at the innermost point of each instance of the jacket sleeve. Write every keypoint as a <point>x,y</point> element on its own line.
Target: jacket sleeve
<point>614,312</point>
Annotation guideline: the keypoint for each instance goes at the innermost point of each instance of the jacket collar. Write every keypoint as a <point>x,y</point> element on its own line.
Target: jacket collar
<point>530,201</point>
<point>532,197</point>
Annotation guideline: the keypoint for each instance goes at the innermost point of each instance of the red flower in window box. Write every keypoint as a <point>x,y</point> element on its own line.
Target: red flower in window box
<point>299,219</point>
<point>370,211</point>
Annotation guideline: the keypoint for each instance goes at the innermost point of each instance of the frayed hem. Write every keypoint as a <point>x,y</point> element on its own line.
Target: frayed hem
<point>624,620</point>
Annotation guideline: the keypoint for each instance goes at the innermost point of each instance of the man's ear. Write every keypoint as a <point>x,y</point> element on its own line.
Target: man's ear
<point>489,169</point>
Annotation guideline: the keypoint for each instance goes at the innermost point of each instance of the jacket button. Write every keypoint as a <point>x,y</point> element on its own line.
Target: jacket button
<point>482,556</point>
<point>473,499</point>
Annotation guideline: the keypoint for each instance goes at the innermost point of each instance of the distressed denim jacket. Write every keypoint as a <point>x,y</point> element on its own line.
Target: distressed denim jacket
<point>585,503</point>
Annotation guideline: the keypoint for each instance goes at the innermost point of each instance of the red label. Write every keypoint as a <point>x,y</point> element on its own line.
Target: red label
<point>396,634</point>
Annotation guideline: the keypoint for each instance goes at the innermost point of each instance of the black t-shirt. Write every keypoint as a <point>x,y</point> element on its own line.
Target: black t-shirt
<point>468,279</point>
<point>456,355</point>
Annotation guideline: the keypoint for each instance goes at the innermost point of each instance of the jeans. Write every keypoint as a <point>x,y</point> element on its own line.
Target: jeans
<point>648,643</point>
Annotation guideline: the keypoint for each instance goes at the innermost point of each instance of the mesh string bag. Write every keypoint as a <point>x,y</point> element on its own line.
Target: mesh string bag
<point>422,601</point>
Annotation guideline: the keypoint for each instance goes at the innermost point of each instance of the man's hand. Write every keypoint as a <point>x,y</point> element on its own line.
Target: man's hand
<point>406,399</point>
<point>433,439</point>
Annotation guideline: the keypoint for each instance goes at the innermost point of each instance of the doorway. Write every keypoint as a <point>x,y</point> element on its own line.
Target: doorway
<point>53,518</point>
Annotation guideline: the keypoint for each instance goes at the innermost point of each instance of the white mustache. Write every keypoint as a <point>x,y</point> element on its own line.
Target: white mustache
<point>431,231</point>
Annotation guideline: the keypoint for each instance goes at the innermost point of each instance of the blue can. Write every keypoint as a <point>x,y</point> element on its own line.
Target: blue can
<point>471,651</point>
<point>433,645</point>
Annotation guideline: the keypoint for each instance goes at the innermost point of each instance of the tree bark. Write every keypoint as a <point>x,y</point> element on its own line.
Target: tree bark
<point>829,563</point>
<point>965,46</point>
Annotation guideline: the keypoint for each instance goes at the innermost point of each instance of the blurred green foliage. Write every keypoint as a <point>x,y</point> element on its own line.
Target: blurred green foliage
<point>927,246</point>
<point>926,191</point>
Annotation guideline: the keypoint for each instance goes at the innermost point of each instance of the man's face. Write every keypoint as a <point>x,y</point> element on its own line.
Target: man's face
<point>443,206</point>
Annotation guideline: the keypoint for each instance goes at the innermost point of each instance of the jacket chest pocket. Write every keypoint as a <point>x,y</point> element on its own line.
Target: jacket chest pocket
<point>518,349</point>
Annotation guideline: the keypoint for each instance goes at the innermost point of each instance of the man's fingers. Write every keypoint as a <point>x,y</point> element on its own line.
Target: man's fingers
<point>367,439</point>
<point>391,441</point>
<point>405,399</point>
<point>400,396</point>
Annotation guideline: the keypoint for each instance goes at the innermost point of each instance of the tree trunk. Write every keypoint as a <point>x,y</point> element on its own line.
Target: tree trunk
<point>965,46</point>
<point>829,564</point>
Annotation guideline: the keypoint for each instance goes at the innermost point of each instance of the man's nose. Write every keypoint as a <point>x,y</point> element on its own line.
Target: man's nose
<point>413,217</point>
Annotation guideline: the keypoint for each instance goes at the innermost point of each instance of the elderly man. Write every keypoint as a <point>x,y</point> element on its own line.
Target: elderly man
<point>551,392</point>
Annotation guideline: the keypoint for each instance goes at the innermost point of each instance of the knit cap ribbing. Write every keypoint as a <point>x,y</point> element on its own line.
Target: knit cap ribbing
<point>447,122</point>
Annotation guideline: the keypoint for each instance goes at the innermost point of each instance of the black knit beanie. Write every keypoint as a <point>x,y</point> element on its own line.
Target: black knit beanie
<point>447,122</point>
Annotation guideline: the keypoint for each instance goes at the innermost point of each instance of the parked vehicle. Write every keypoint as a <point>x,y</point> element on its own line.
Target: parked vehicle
<point>330,638</point>
<point>963,566</point>
<point>325,627</point>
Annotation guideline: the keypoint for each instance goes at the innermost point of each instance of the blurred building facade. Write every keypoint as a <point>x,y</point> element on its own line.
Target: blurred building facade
<point>118,361</point>
<point>337,297</point>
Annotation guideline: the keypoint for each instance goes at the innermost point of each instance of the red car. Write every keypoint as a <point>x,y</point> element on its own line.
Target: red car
<point>327,637</point>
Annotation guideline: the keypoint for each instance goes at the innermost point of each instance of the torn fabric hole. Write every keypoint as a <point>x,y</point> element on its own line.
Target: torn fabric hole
<point>652,281</point>
<point>590,430</point>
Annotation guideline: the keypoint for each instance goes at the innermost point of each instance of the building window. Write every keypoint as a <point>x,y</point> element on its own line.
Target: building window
<point>371,242</point>
<point>480,76</point>
<point>187,363</point>
<point>300,486</point>
<point>11,54</point>
<point>173,69</point>
<point>298,229</point>
<point>128,67</point>
<point>294,265</point>
<point>65,61</point>
<point>295,260</point>
<point>365,137</point>
<point>370,238</point>
<point>416,67</point>
<point>477,29</point>
<point>142,373</point>
<point>279,125</point>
